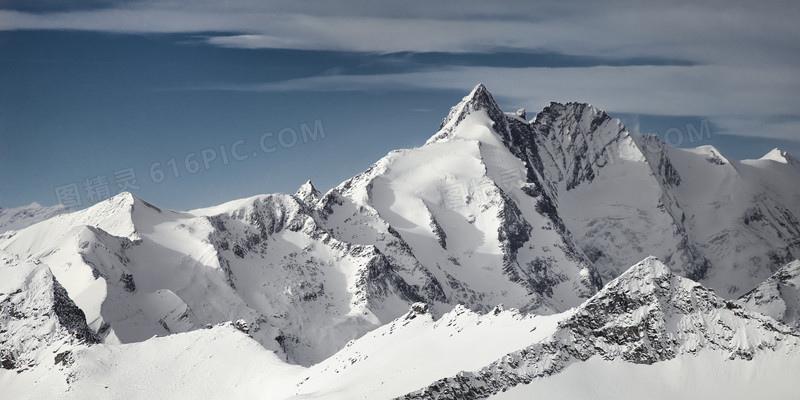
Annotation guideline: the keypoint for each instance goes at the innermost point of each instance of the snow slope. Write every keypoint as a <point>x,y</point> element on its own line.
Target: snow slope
<point>645,323</point>
<point>706,376</point>
<point>413,350</point>
<point>778,296</point>
<point>21,217</point>
<point>646,316</point>
<point>216,363</point>
<point>743,216</point>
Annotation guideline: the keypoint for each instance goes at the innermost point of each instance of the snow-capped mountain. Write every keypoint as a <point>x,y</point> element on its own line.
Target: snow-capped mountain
<point>139,271</point>
<point>542,216</point>
<point>624,196</point>
<point>21,217</point>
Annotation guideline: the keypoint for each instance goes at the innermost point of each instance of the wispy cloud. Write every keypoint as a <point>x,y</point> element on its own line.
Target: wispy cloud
<point>740,99</point>
<point>658,90</point>
<point>742,62</point>
<point>707,32</point>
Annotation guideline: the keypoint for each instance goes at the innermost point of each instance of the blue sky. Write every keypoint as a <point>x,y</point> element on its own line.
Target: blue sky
<point>99,89</point>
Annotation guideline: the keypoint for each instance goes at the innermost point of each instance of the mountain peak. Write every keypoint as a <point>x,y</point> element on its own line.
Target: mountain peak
<point>479,99</point>
<point>479,90</point>
<point>116,215</point>
<point>125,201</point>
<point>650,266</point>
<point>307,193</point>
<point>780,156</point>
<point>642,276</point>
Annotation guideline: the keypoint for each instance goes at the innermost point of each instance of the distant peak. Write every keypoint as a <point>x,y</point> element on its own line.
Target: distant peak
<point>650,269</point>
<point>307,193</point>
<point>125,201</point>
<point>17,218</point>
<point>652,265</point>
<point>308,185</point>
<point>775,154</point>
<point>780,156</point>
<point>713,155</point>
<point>572,111</point>
<point>573,108</point>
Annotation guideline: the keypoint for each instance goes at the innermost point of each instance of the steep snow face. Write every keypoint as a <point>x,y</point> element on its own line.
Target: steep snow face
<point>20,217</point>
<point>647,315</point>
<point>778,296</point>
<point>613,190</point>
<point>462,207</point>
<point>743,216</point>
<point>38,320</point>
<point>623,196</point>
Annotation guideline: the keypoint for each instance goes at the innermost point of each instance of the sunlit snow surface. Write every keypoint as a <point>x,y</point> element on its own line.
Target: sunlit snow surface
<point>391,284</point>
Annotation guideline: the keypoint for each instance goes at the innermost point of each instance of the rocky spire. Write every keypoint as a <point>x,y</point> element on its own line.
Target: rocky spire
<point>478,99</point>
<point>308,194</point>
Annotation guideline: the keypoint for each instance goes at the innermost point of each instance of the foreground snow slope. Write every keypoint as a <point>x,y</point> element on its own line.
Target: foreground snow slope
<point>217,363</point>
<point>413,350</point>
<point>647,322</point>
<point>706,376</point>
<point>646,316</point>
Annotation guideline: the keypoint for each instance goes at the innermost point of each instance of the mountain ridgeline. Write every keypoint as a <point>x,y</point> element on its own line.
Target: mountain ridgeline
<point>537,215</point>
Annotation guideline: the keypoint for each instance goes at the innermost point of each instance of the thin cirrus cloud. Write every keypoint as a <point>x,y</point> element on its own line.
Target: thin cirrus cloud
<point>728,93</point>
<point>707,32</point>
<point>743,63</point>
